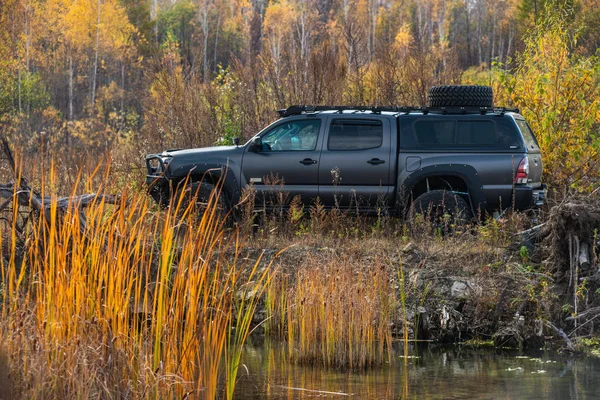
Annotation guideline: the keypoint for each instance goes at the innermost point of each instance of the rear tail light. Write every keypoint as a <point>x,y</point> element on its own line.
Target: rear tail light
<point>522,171</point>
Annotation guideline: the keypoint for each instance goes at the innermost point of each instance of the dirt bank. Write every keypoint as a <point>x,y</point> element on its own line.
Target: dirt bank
<point>495,283</point>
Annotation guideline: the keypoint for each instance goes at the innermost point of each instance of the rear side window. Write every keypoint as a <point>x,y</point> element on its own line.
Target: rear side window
<point>355,134</point>
<point>466,134</point>
<point>476,133</point>
<point>435,132</point>
<point>528,136</point>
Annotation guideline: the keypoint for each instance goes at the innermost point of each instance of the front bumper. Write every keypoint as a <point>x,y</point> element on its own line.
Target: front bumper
<point>159,186</point>
<point>527,197</point>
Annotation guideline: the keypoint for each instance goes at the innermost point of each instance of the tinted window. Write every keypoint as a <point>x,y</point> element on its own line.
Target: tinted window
<point>466,134</point>
<point>528,136</point>
<point>476,133</point>
<point>292,136</point>
<point>354,134</point>
<point>508,137</point>
<point>435,132</point>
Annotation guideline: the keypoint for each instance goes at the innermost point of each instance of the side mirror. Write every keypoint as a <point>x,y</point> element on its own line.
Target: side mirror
<point>255,145</point>
<point>236,141</point>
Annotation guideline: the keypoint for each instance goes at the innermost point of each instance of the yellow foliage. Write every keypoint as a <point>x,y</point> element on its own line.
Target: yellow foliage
<point>557,91</point>
<point>77,21</point>
<point>277,26</point>
<point>403,37</point>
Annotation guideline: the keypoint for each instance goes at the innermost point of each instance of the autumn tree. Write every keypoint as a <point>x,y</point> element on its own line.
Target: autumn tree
<point>558,93</point>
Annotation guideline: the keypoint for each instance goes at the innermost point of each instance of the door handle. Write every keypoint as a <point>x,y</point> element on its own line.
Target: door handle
<point>308,161</point>
<point>375,161</point>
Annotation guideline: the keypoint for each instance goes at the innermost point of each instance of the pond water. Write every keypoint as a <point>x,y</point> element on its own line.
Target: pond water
<point>431,372</point>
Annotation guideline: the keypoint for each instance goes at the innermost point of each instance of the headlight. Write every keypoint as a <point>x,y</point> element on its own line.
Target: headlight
<point>157,164</point>
<point>167,161</point>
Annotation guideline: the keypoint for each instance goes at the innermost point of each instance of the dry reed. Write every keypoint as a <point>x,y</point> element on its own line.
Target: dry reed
<point>339,315</point>
<point>126,303</point>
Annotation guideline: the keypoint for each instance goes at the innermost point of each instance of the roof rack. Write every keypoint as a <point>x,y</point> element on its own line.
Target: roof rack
<point>298,110</point>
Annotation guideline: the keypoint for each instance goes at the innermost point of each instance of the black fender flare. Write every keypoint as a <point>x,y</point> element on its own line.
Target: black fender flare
<point>465,172</point>
<point>214,172</point>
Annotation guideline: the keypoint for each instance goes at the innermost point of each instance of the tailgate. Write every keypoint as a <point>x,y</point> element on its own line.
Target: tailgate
<point>535,169</point>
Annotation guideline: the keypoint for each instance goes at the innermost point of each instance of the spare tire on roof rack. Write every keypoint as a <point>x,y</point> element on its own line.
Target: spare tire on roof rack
<point>461,96</point>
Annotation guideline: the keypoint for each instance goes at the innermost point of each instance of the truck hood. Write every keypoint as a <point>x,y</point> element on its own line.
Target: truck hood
<point>202,151</point>
<point>181,162</point>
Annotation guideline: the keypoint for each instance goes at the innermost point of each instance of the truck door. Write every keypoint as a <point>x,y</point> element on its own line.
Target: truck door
<point>288,161</point>
<point>355,162</point>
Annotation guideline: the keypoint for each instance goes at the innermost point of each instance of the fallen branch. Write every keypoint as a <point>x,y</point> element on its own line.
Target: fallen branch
<point>533,231</point>
<point>593,311</point>
<point>85,200</point>
<point>562,334</point>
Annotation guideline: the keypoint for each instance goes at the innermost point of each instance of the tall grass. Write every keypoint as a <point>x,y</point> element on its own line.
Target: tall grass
<point>339,314</point>
<point>123,302</point>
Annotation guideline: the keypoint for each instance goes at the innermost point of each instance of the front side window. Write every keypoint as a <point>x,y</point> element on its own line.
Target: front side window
<point>292,136</point>
<point>355,134</point>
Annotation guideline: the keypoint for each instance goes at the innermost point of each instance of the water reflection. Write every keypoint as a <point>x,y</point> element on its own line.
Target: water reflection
<point>431,372</point>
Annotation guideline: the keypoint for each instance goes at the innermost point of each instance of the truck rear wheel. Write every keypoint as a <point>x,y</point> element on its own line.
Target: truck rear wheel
<point>461,96</point>
<point>443,209</point>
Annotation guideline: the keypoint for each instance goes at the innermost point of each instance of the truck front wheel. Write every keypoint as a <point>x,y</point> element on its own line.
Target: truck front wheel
<point>197,195</point>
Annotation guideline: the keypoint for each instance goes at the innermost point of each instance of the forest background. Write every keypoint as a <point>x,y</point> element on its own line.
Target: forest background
<point>83,79</point>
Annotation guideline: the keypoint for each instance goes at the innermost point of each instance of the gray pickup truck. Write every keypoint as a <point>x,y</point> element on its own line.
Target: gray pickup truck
<point>472,158</point>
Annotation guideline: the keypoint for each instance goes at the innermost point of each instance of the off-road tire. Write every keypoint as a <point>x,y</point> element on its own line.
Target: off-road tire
<point>461,96</point>
<point>199,193</point>
<point>443,209</point>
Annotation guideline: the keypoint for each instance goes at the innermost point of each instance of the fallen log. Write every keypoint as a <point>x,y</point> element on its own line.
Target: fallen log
<point>19,194</point>
<point>531,237</point>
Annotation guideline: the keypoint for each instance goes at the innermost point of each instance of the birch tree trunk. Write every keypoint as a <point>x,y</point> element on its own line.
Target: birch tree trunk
<point>216,40</point>
<point>510,39</point>
<point>205,31</point>
<point>154,17</point>
<point>70,98</point>
<point>122,97</point>
<point>479,49</point>
<point>19,84</point>
<point>27,35</point>
<point>493,48</point>
<point>468,23</point>
<point>441,18</point>
<point>95,69</point>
